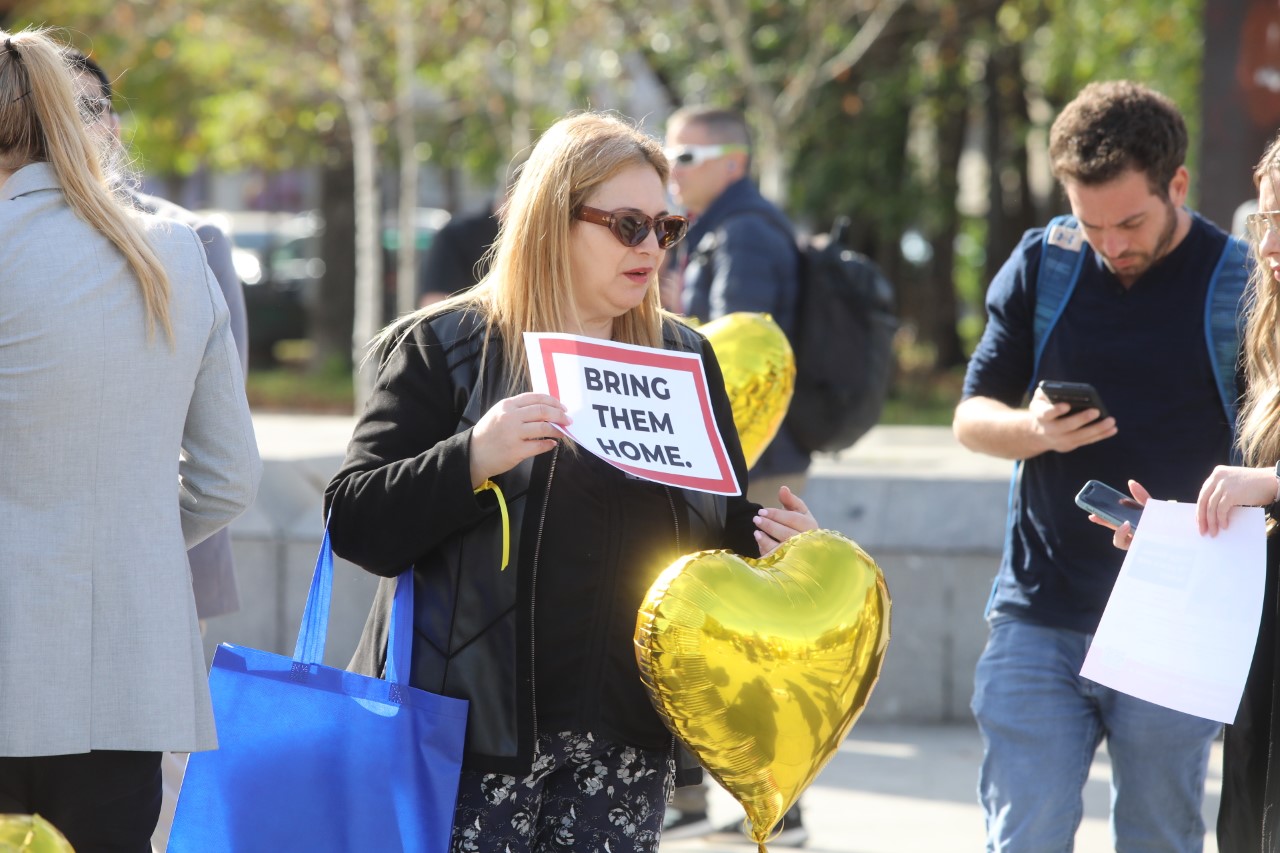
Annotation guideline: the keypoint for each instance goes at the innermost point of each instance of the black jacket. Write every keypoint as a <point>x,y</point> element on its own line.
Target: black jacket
<point>1249,814</point>
<point>403,497</point>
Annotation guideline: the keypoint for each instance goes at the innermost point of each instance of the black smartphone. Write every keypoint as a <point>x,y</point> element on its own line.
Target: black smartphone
<point>1108,504</point>
<point>1080,395</point>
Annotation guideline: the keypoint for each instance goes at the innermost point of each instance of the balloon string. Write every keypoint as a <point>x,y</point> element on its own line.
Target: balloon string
<point>761,849</point>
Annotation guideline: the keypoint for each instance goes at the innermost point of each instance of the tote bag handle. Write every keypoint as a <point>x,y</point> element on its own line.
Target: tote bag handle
<point>315,618</point>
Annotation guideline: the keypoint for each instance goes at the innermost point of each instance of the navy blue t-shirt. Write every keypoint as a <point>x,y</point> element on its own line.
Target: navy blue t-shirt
<point>1144,350</point>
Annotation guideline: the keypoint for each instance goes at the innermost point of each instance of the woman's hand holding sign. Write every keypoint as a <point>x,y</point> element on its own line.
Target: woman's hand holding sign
<point>515,429</point>
<point>775,526</point>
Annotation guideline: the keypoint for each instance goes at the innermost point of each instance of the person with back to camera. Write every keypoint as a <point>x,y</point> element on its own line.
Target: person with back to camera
<point>126,440</point>
<point>1248,818</point>
<point>1129,282</point>
<point>213,578</point>
<point>212,567</point>
<point>564,749</point>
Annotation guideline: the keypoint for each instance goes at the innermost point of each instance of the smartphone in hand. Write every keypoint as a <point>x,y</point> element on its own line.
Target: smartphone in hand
<point>1079,395</point>
<point>1108,504</point>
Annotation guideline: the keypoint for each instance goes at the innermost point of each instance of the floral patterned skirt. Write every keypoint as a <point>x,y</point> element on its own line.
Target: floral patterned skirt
<point>583,793</point>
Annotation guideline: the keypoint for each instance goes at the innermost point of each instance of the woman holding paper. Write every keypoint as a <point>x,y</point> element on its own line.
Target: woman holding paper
<point>531,555</point>
<point>1249,815</point>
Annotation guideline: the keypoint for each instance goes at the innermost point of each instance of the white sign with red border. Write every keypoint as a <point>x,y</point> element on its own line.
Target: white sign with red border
<point>645,411</point>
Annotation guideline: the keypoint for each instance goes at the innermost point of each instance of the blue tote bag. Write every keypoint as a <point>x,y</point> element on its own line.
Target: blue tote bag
<point>316,759</point>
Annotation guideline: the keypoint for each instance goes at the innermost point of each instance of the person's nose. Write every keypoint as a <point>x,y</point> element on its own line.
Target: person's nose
<point>1114,244</point>
<point>649,244</point>
<point>1270,244</point>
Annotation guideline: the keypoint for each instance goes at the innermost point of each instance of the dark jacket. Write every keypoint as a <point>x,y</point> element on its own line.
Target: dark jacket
<point>403,497</point>
<point>742,256</point>
<point>213,574</point>
<point>1248,817</point>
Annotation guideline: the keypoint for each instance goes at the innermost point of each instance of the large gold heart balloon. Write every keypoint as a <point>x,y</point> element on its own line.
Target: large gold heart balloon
<point>759,374</point>
<point>761,666</point>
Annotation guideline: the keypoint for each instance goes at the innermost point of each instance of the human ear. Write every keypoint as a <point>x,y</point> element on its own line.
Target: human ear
<point>1178,186</point>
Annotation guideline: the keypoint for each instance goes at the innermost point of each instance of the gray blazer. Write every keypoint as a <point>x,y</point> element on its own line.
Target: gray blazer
<point>118,453</point>
<point>213,575</point>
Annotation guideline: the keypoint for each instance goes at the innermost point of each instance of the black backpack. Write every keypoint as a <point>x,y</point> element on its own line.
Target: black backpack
<point>843,343</point>
<point>842,338</point>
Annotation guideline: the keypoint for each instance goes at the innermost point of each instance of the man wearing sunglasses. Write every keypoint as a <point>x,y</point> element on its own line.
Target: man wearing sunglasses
<point>740,255</point>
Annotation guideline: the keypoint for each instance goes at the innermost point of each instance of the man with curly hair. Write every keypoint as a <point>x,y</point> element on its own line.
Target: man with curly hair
<point>1134,270</point>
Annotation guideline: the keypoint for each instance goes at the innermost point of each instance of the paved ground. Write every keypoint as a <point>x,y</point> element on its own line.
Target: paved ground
<point>910,789</point>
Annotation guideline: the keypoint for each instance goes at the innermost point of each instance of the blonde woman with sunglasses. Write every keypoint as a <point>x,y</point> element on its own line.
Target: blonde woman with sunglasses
<point>125,439</point>
<point>563,748</point>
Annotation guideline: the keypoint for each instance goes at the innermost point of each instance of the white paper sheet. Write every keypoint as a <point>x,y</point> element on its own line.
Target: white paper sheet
<point>1181,624</point>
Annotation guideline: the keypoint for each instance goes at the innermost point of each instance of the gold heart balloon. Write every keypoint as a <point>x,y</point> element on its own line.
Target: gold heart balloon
<point>759,374</point>
<point>761,666</point>
<point>31,834</point>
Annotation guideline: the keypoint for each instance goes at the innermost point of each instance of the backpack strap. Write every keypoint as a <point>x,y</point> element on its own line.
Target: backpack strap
<point>1061,256</point>
<point>1224,323</point>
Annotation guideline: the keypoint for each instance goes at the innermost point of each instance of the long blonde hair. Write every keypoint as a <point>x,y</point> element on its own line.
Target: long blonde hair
<point>41,122</point>
<point>529,286</point>
<point>1259,434</point>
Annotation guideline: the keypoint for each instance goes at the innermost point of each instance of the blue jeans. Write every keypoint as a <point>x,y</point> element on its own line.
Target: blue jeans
<point>1041,724</point>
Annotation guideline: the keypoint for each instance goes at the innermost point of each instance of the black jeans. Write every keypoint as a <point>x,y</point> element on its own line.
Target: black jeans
<point>102,801</point>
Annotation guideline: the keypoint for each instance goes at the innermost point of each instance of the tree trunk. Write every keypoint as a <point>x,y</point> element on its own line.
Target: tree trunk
<point>332,311</point>
<point>368,308</point>
<point>772,162</point>
<point>523,91</point>
<point>1012,208</point>
<point>953,121</point>
<point>407,253</point>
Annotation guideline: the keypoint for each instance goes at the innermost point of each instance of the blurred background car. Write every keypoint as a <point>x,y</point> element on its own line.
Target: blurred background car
<point>277,256</point>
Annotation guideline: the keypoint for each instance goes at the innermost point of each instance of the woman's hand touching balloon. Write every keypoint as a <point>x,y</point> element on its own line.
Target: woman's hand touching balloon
<point>775,526</point>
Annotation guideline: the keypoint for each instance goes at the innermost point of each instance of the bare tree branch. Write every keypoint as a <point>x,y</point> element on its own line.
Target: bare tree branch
<point>731,18</point>
<point>799,92</point>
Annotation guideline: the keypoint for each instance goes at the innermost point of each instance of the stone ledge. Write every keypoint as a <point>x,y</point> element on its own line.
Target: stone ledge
<point>929,512</point>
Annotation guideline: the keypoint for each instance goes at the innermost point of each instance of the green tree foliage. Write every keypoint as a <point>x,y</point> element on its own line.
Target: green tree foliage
<point>1157,42</point>
<point>877,132</point>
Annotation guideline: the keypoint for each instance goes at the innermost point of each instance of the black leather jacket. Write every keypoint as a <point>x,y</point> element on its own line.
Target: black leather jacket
<point>403,496</point>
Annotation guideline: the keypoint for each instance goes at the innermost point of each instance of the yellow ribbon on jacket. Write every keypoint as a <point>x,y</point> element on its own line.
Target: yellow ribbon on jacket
<point>506,520</point>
